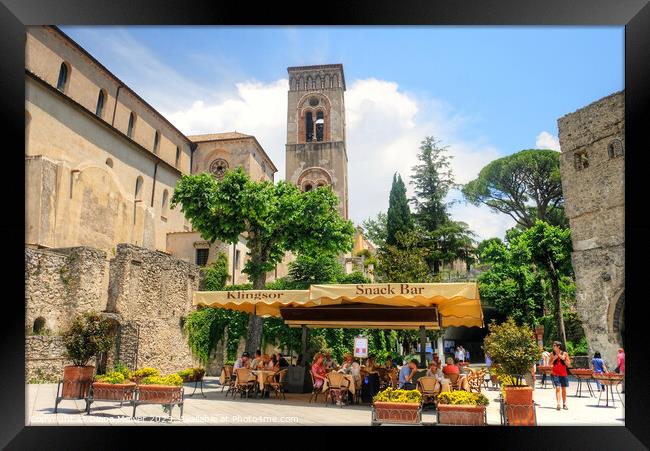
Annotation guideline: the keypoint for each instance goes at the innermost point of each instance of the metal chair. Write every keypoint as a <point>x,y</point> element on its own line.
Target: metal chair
<point>226,380</point>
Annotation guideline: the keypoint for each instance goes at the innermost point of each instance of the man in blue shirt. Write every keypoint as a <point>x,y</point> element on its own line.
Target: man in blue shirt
<point>406,375</point>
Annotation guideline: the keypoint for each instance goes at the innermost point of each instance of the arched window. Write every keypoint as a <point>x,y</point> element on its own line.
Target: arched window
<point>156,142</point>
<point>615,148</point>
<point>138,195</point>
<point>308,187</point>
<point>309,127</point>
<point>100,103</point>
<point>129,131</point>
<point>320,126</point>
<point>165,204</point>
<point>178,156</point>
<point>322,83</point>
<point>336,81</point>
<point>63,77</point>
<point>39,325</point>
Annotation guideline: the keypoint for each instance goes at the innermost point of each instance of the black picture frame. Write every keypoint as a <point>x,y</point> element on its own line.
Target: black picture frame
<point>633,14</point>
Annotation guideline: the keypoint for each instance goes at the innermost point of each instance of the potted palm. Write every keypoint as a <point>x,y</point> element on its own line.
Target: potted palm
<point>88,335</point>
<point>397,406</point>
<point>514,352</point>
<point>461,407</point>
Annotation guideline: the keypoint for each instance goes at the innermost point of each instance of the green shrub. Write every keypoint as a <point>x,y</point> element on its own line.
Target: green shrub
<point>114,377</point>
<point>462,397</point>
<point>172,379</point>
<point>122,368</point>
<point>513,349</point>
<point>88,335</point>
<point>145,372</point>
<point>391,395</point>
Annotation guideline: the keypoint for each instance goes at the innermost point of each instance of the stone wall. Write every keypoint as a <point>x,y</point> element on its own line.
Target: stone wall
<point>146,295</point>
<point>594,204</point>
<point>152,292</point>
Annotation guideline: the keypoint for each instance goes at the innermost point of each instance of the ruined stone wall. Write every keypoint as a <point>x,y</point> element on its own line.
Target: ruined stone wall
<point>152,292</point>
<point>594,204</point>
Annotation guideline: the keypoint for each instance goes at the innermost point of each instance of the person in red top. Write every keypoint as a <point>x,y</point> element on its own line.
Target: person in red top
<point>620,362</point>
<point>450,367</point>
<point>318,370</point>
<point>560,361</point>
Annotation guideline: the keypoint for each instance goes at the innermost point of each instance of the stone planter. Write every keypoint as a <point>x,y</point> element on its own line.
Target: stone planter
<point>396,413</point>
<point>461,415</point>
<point>77,381</point>
<point>113,392</point>
<point>160,394</point>
<point>581,372</point>
<point>519,407</point>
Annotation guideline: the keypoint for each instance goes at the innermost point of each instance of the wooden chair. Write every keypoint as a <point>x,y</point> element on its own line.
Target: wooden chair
<point>384,378</point>
<point>394,378</point>
<point>275,382</point>
<point>430,387</point>
<point>228,379</point>
<point>316,390</point>
<point>337,386</point>
<point>245,382</point>
<point>474,381</point>
<point>454,380</point>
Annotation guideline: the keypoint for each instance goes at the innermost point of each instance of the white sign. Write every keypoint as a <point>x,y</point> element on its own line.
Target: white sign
<point>361,347</point>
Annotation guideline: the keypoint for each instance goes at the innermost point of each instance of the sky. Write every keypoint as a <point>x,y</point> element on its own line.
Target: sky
<point>485,92</point>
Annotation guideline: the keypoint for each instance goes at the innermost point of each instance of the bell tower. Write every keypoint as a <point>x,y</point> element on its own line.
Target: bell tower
<point>316,154</point>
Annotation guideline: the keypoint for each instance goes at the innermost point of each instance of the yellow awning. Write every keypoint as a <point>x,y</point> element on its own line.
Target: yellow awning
<point>261,302</point>
<point>459,304</point>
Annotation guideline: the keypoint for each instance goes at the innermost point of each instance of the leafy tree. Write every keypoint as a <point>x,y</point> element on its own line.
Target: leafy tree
<point>216,274</point>
<point>432,179</point>
<point>272,218</point>
<point>450,241</point>
<point>550,249</point>
<point>483,246</point>
<point>510,184</point>
<point>87,337</point>
<point>405,261</point>
<point>375,229</point>
<point>318,269</point>
<point>398,218</point>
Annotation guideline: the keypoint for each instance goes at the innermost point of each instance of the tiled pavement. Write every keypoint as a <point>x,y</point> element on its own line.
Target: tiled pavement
<point>216,409</point>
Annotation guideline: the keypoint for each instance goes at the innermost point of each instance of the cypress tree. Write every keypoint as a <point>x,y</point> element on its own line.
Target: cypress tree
<point>399,214</point>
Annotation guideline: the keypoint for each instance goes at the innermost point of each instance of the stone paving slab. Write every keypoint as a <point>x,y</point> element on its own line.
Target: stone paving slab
<point>217,409</point>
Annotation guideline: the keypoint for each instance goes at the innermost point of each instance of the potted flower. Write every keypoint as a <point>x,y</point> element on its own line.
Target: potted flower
<point>139,374</point>
<point>192,374</point>
<point>461,407</point>
<point>158,389</point>
<point>88,335</point>
<point>514,352</point>
<point>112,386</point>
<point>397,406</point>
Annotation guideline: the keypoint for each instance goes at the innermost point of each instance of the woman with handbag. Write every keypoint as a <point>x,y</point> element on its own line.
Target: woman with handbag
<point>561,362</point>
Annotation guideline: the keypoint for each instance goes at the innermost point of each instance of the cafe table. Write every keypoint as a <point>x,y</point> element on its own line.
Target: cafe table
<point>351,387</point>
<point>261,376</point>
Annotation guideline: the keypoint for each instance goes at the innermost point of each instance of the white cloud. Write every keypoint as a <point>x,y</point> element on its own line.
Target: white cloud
<point>547,141</point>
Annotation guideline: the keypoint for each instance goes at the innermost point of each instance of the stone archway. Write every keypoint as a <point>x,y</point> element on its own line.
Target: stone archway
<point>618,320</point>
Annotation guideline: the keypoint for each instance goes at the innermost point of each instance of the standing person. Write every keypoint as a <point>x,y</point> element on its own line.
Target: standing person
<point>488,361</point>
<point>546,357</point>
<point>467,355</point>
<point>598,366</point>
<point>620,362</point>
<point>560,361</point>
<point>406,375</point>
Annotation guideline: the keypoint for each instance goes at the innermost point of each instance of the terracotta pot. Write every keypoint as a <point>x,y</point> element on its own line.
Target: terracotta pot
<point>77,381</point>
<point>114,392</point>
<point>581,371</point>
<point>397,412</point>
<point>545,369</point>
<point>461,415</point>
<point>164,394</point>
<point>519,406</point>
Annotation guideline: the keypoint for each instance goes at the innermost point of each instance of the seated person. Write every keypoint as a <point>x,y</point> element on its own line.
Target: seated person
<point>330,363</point>
<point>256,361</point>
<point>318,370</point>
<point>282,362</point>
<point>434,370</point>
<point>389,364</point>
<point>451,367</point>
<point>436,359</point>
<point>242,362</point>
<point>265,363</point>
<point>406,374</point>
<point>371,364</point>
<point>349,366</point>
